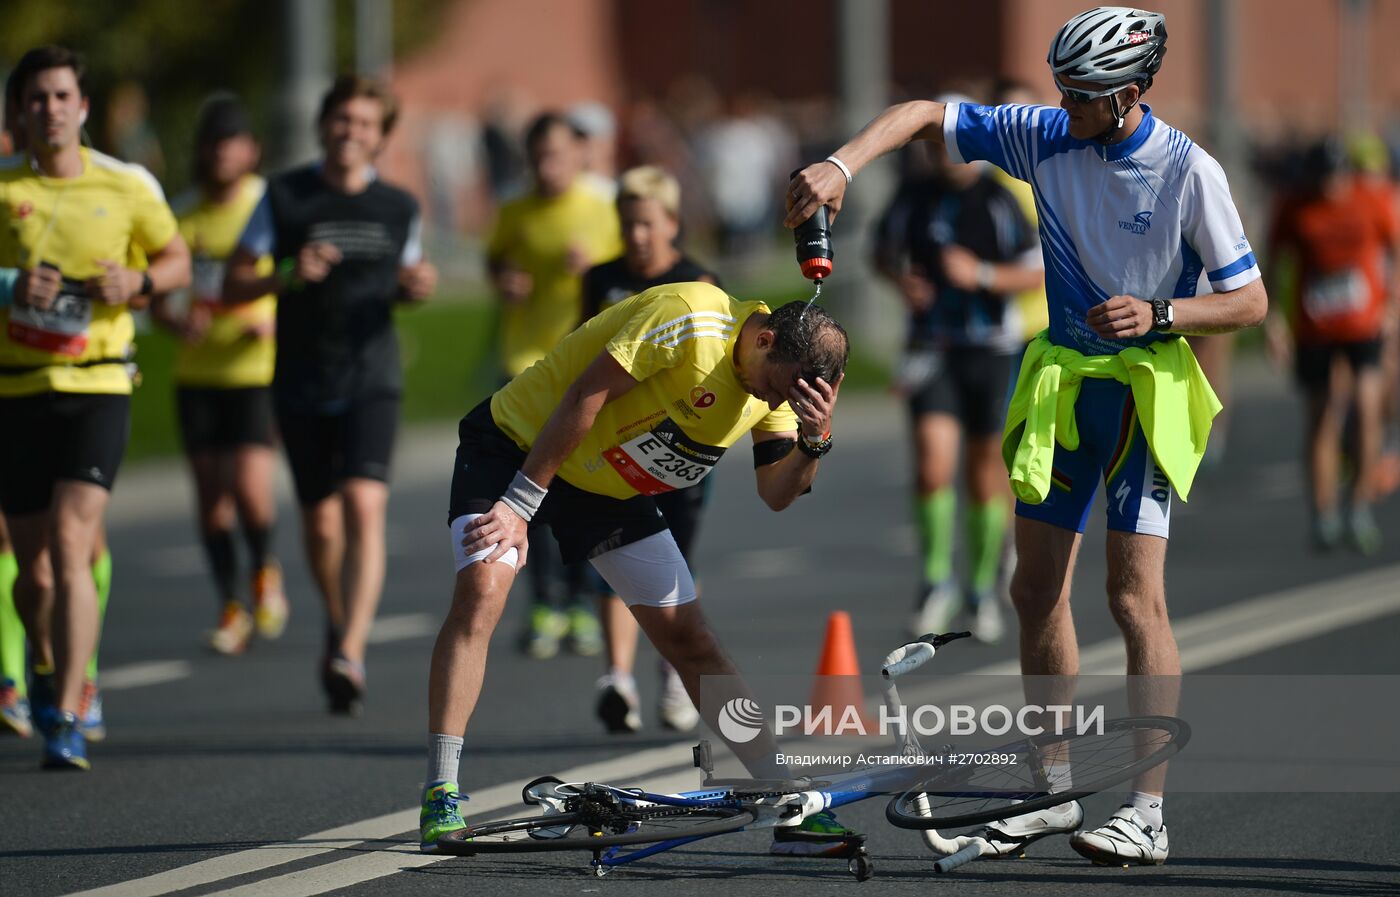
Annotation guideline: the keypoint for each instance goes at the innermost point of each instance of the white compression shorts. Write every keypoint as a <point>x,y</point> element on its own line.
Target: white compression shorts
<point>651,572</point>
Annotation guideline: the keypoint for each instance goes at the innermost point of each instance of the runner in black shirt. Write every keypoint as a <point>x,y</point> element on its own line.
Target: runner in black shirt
<point>648,204</point>
<point>346,248</point>
<point>959,247</point>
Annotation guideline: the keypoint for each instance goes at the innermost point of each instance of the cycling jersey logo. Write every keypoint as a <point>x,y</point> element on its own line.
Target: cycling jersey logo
<point>700,397</point>
<point>1139,225</point>
<point>740,720</point>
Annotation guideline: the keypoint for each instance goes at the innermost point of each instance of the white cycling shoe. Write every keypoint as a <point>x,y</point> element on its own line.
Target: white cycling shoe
<point>1010,836</point>
<point>1123,839</point>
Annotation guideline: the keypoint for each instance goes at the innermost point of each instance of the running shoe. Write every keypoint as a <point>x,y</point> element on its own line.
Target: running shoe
<point>43,699</point>
<point>675,709</point>
<point>440,815</point>
<point>937,608</point>
<point>270,609</point>
<point>64,747</point>
<point>344,682</point>
<point>585,632</point>
<point>1123,839</point>
<point>91,723</point>
<point>234,632</point>
<point>14,710</point>
<point>1327,531</point>
<point>619,706</point>
<point>547,627</point>
<point>819,835</point>
<point>1011,836</point>
<point>1362,530</point>
<point>987,624</point>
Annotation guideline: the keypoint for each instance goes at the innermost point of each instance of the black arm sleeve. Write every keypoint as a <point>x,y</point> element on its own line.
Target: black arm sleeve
<point>771,451</point>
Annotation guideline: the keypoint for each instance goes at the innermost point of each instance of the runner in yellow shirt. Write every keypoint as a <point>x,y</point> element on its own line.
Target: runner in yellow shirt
<point>640,401</point>
<point>222,376</point>
<point>69,218</point>
<point>540,247</point>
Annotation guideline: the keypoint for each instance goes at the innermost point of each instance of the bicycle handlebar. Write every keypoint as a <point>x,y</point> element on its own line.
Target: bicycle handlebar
<point>961,858</point>
<point>915,654</point>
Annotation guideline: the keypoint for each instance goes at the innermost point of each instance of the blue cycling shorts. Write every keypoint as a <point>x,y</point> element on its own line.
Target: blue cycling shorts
<point>1112,448</point>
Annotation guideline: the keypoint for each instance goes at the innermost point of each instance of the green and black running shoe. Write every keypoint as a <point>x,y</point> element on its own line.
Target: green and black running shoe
<point>440,815</point>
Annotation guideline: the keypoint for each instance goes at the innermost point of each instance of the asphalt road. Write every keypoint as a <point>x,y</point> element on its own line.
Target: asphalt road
<point>217,770</point>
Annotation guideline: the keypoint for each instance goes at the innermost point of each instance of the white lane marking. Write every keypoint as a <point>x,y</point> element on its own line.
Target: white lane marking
<point>497,797</point>
<point>1209,638</point>
<point>138,675</point>
<point>378,862</point>
<point>399,627</point>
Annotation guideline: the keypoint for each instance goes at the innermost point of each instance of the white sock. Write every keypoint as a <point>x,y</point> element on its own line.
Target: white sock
<point>1148,806</point>
<point>444,757</point>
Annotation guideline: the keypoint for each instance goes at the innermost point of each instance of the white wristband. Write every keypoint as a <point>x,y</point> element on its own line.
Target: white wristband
<point>841,165</point>
<point>524,496</point>
<point>985,273</point>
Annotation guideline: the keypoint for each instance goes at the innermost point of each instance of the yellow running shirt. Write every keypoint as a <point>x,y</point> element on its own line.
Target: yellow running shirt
<point>72,223</point>
<point>688,406</point>
<point>229,356</point>
<point>535,234</point>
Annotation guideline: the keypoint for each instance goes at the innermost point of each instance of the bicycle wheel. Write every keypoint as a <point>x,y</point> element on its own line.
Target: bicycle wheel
<point>593,827</point>
<point>972,794</point>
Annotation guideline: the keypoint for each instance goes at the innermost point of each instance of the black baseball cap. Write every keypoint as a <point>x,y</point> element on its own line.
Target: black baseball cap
<point>222,116</point>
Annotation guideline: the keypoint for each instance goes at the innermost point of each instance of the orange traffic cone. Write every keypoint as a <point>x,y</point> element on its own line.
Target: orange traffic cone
<point>838,684</point>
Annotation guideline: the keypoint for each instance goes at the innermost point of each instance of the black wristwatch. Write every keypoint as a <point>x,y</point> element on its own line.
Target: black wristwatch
<point>147,285</point>
<point>814,449</point>
<point>1162,314</point>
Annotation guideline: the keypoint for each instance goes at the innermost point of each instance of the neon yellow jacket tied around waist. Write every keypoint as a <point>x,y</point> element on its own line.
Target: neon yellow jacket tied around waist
<point>1175,406</point>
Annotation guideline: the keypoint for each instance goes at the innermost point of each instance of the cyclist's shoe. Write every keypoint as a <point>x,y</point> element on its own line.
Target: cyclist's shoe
<point>1123,839</point>
<point>440,814</point>
<point>64,747</point>
<point>819,835</point>
<point>91,723</point>
<point>270,609</point>
<point>344,682</point>
<point>547,627</point>
<point>675,709</point>
<point>1011,836</point>
<point>618,706</point>
<point>936,610</point>
<point>585,632</point>
<point>43,699</point>
<point>234,631</point>
<point>987,624</point>
<point>1362,531</point>
<point>14,710</point>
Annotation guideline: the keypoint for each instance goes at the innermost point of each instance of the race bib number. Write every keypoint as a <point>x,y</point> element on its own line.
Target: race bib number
<point>62,328</point>
<point>1334,295</point>
<point>663,460</point>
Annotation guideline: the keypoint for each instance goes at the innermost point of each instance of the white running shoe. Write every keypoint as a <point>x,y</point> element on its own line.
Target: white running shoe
<point>935,613</point>
<point>619,706</point>
<point>676,710</point>
<point>987,624</point>
<point>1123,839</point>
<point>1011,836</point>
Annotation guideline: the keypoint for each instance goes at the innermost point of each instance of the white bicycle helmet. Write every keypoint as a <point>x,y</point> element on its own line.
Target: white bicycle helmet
<point>1110,45</point>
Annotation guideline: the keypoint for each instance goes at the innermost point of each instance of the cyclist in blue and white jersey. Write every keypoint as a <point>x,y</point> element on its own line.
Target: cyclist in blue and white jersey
<point>1142,243</point>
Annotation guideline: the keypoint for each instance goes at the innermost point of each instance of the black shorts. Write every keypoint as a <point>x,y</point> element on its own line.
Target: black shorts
<point>1313,364</point>
<point>214,419</point>
<point>682,509</point>
<point>325,450</point>
<point>584,524</point>
<point>970,384</point>
<point>59,436</point>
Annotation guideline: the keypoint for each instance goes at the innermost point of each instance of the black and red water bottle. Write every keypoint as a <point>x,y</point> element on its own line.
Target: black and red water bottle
<point>814,252</point>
